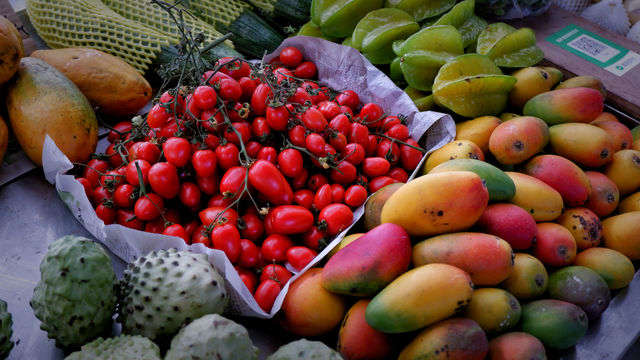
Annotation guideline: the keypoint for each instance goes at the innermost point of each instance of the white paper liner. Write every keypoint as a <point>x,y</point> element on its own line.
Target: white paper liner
<point>340,67</point>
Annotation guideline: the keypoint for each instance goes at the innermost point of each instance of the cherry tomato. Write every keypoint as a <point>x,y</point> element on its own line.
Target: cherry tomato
<point>252,228</point>
<point>208,184</point>
<point>189,194</point>
<point>389,150</point>
<point>355,195</point>
<point>144,150</point>
<point>379,182</point>
<point>372,146</point>
<point>274,248</point>
<point>266,294</point>
<point>249,254</point>
<point>283,74</point>
<point>358,134</point>
<point>205,97</point>
<point>399,174</point>
<point>177,151</point>
<point>371,115</point>
<point>354,153</point>
<point>297,135</point>
<point>226,237</point>
<point>315,144</point>
<point>389,122</point>
<point>337,192</point>
<point>290,162</point>
<point>123,196</point>
<point>348,98</point>
<point>211,119</point>
<point>261,97</point>
<point>155,226</point>
<point>126,217</point>
<point>305,70</point>
<point>234,68</point>
<point>304,198</point>
<point>316,181</point>
<point>248,87</point>
<point>233,182</point>
<point>260,127</point>
<point>106,213</point>
<point>278,117</point>
<point>248,277</point>
<point>317,94</point>
<point>88,190</point>
<point>410,157</point>
<point>269,181</point>
<point>299,256</point>
<point>200,236</point>
<point>398,132</point>
<point>300,181</point>
<point>211,141</point>
<point>229,89</point>
<point>157,116</point>
<point>93,170</point>
<point>268,153</point>
<point>119,131</point>
<point>331,110</point>
<point>163,178</point>
<point>301,97</point>
<point>337,217</point>
<point>345,173</point>
<point>291,219</point>
<point>217,215</point>
<point>175,105</point>
<point>322,197</point>
<point>338,141</point>
<point>177,230</point>
<point>219,200</point>
<point>375,166</point>
<point>314,120</point>
<point>242,128</point>
<point>204,162</point>
<point>115,159</point>
<point>290,56</point>
<point>148,207</point>
<point>112,179</point>
<point>315,239</point>
<point>227,156</point>
<point>100,195</point>
<point>253,148</point>
<point>192,112</point>
<point>277,273</point>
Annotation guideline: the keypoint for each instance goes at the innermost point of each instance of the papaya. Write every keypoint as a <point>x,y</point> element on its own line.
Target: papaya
<point>495,310</point>
<point>630,203</point>
<point>585,144</point>
<point>554,245</point>
<point>373,206</point>
<point>487,258</point>
<point>620,232</point>
<point>516,345</point>
<point>529,278</point>
<point>452,339</point>
<point>540,200</point>
<point>499,185</point>
<point>558,324</point>
<point>581,286</point>
<point>563,175</point>
<point>457,149</point>
<point>358,340</point>
<point>369,263</point>
<point>4,138</point>
<point>624,171</point>
<point>516,140</point>
<point>578,105</point>
<point>41,100</point>
<point>477,130</point>
<point>510,223</point>
<point>430,204</point>
<point>605,196</point>
<point>112,86</point>
<point>614,267</point>
<point>11,50</point>
<point>420,297</point>
<point>584,225</point>
<point>585,81</point>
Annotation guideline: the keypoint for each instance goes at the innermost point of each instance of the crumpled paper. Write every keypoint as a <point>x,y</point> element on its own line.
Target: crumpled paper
<point>340,67</point>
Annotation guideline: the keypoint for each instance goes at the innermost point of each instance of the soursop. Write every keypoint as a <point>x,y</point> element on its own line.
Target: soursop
<point>304,349</point>
<point>75,298</point>
<point>6,330</point>
<point>123,347</point>
<point>212,337</point>
<point>165,289</point>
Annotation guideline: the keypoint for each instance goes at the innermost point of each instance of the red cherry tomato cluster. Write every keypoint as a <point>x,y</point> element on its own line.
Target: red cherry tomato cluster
<point>259,161</point>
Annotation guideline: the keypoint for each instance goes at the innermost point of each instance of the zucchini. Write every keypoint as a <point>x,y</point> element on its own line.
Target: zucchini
<point>284,13</point>
<point>251,35</point>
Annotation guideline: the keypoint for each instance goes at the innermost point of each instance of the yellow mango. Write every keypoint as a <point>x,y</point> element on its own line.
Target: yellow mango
<point>620,232</point>
<point>477,130</point>
<point>630,203</point>
<point>543,202</point>
<point>624,170</point>
<point>457,149</point>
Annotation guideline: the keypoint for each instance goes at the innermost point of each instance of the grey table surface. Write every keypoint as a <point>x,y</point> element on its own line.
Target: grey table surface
<point>33,216</point>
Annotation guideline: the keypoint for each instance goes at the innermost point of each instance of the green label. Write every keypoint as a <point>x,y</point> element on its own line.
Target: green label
<point>595,49</point>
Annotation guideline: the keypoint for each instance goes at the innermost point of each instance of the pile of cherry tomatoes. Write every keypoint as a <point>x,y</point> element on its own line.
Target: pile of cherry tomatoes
<point>257,160</point>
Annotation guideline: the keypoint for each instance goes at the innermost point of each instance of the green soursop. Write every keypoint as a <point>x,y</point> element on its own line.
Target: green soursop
<point>304,349</point>
<point>75,298</point>
<point>212,337</point>
<point>5,330</point>
<point>165,289</point>
<point>123,347</point>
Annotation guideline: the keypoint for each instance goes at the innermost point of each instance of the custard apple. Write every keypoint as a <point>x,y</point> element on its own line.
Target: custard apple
<point>75,298</point>
<point>212,337</point>
<point>123,347</point>
<point>165,289</point>
<point>304,349</point>
<point>5,330</point>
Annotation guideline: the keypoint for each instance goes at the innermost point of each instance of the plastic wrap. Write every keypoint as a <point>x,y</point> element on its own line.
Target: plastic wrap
<point>511,9</point>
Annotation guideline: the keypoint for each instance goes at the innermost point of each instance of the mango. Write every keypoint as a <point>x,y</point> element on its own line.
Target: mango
<point>430,204</point>
<point>614,267</point>
<point>451,339</point>
<point>620,133</point>
<point>510,223</point>
<point>348,239</point>
<point>358,340</point>
<point>369,263</point>
<point>495,310</point>
<point>531,81</point>
<point>529,278</point>
<point>487,258</point>
<point>585,144</point>
<point>554,245</point>
<point>624,170</point>
<point>584,225</point>
<point>555,73</point>
<point>457,149</point>
<point>309,309</point>
<point>477,130</point>
<point>516,140</point>
<point>373,206</point>
<point>605,116</point>
<point>630,203</point>
<point>620,232</point>
<point>558,324</point>
<point>581,286</point>
<point>420,297</point>
<point>580,105</point>
<point>508,116</point>
<point>4,138</point>
<point>636,137</point>
<point>605,196</point>
<point>584,81</point>
<point>563,175</point>
<point>516,345</point>
<point>540,200</point>
<point>499,185</point>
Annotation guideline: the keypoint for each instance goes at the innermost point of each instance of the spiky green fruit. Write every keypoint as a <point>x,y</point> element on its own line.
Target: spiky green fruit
<point>304,349</point>
<point>165,289</point>
<point>5,330</point>
<point>212,337</point>
<point>75,298</point>
<point>123,347</point>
